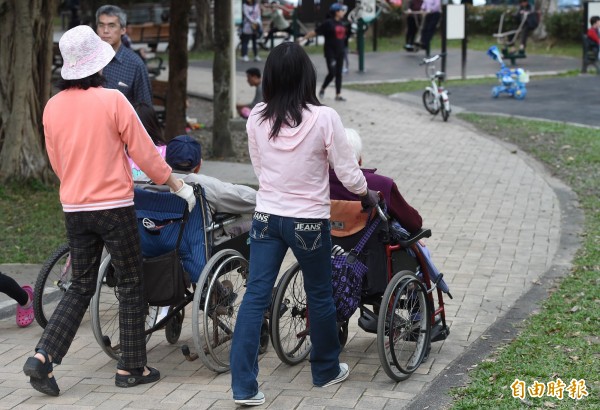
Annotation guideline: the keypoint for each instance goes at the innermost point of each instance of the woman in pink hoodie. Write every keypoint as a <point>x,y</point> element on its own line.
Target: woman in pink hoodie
<point>293,141</point>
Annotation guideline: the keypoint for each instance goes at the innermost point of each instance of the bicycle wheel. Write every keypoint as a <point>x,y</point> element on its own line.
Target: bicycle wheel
<point>444,111</point>
<point>51,284</point>
<point>430,102</point>
<point>104,310</point>
<point>403,326</point>
<point>289,318</point>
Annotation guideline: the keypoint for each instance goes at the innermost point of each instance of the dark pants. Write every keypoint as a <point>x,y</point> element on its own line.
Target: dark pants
<point>274,30</point>
<point>335,64</point>
<point>245,39</point>
<point>411,29</point>
<point>429,26</point>
<point>87,233</point>
<point>9,286</point>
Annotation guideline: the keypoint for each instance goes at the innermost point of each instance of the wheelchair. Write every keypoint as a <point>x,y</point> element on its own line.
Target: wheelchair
<point>218,275</point>
<point>397,301</point>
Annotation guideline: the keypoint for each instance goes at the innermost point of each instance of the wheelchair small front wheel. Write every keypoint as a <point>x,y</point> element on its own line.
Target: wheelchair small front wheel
<point>174,326</point>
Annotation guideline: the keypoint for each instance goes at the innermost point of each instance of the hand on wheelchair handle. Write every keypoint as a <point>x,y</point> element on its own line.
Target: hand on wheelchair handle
<point>370,200</point>
<point>186,192</point>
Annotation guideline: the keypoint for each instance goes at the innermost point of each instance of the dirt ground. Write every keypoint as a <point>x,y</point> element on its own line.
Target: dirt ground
<point>202,111</point>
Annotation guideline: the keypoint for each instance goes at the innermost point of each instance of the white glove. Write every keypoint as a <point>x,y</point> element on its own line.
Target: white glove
<point>186,192</point>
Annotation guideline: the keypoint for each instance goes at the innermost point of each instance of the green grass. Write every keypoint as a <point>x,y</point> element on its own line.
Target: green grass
<point>33,222</point>
<point>396,43</point>
<point>416,85</point>
<point>561,341</point>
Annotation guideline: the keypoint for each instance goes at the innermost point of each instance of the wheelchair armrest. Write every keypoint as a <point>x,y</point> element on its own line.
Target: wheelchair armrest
<point>423,233</point>
<point>223,216</point>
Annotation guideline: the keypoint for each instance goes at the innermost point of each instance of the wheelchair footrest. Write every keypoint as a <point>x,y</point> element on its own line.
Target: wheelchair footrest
<point>368,323</point>
<point>439,332</point>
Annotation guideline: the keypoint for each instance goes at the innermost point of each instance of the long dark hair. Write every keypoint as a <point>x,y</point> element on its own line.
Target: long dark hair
<point>149,119</point>
<point>289,85</point>
<point>94,80</point>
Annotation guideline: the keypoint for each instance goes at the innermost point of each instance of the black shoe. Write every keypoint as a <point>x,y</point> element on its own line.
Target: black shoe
<point>38,375</point>
<point>136,377</point>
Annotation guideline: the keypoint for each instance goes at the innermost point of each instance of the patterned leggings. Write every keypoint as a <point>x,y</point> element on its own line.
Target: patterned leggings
<point>87,233</point>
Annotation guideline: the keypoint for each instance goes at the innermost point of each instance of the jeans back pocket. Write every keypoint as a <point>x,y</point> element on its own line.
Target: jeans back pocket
<point>308,234</point>
<point>260,225</point>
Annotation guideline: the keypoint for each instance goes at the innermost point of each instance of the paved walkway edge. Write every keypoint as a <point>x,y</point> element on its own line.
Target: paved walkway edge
<point>506,328</point>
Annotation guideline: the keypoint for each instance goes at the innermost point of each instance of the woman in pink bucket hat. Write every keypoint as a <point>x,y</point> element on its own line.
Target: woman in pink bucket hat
<point>87,128</point>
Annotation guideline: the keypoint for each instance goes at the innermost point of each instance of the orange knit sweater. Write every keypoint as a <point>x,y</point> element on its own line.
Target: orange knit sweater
<point>86,133</point>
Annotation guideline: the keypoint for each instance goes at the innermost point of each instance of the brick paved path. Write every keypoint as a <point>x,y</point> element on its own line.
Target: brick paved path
<point>495,223</point>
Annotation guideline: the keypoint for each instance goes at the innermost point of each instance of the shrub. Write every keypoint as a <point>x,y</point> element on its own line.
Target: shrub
<point>391,24</point>
<point>565,26</point>
<point>485,20</point>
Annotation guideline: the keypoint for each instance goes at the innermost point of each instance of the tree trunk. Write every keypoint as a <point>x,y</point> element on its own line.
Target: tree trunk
<point>545,7</point>
<point>203,38</point>
<point>222,146</point>
<point>178,66</point>
<point>25,76</point>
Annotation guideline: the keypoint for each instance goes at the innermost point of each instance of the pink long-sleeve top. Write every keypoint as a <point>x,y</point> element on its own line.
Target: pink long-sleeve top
<point>293,168</point>
<point>86,133</point>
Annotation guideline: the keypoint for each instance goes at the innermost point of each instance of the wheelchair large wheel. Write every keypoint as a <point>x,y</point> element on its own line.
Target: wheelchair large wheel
<point>289,318</point>
<point>216,302</point>
<point>430,102</point>
<point>403,326</point>
<point>52,282</point>
<point>104,310</point>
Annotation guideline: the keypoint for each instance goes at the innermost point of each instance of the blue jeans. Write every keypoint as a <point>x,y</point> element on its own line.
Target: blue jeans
<point>310,241</point>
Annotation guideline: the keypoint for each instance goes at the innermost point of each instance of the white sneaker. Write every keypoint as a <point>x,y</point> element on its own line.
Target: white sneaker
<point>342,375</point>
<point>257,58</point>
<point>245,58</point>
<point>256,400</point>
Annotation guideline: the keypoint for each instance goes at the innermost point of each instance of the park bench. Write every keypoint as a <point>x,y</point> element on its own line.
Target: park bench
<point>149,33</point>
<point>159,99</point>
<point>590,55</point>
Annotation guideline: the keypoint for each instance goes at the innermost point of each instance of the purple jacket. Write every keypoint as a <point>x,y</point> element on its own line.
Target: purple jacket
<point>398,208</point>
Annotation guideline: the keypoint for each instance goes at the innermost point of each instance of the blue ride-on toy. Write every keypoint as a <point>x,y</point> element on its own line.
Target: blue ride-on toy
<point>512,80</point>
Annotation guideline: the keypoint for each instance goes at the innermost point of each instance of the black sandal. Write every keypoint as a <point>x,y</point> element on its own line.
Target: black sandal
<point>38,374</point>
<point>136,377</point>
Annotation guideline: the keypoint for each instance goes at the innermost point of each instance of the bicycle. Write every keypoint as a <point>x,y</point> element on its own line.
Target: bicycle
<point>435,96</point>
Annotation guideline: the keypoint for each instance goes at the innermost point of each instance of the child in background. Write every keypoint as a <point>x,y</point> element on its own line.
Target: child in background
<point>23,295</point>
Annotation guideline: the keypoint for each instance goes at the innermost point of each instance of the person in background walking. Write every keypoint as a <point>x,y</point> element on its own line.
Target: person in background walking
<point>335,32</point>
<point>23,295</point>
<point>293,140</point>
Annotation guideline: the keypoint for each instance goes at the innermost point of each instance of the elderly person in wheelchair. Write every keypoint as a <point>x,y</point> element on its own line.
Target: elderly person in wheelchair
<point>397,207</point>
<point>184,155</point>
<point>211,242</point>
